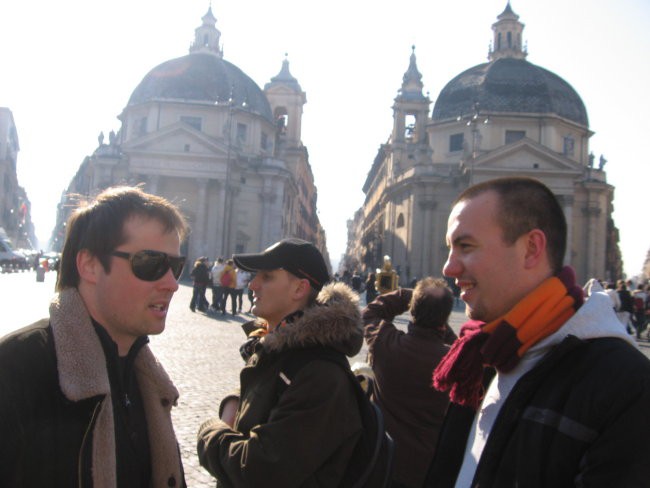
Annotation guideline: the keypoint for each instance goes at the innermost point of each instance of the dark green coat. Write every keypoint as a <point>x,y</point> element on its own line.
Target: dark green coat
<point>305,437</point>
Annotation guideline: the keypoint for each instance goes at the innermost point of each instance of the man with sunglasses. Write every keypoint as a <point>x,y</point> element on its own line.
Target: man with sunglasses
<point>83,401</point>
<point>306,435</point>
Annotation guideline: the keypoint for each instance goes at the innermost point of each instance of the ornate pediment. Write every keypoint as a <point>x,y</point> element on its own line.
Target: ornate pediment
<point>526,157</point>
<point>177,138</point>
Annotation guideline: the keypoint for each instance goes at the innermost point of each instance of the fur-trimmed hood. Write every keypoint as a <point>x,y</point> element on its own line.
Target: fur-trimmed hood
<point>335,321</point>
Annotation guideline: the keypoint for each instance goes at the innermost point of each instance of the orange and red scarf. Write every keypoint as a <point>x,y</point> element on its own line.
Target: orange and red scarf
<point>502,342</point>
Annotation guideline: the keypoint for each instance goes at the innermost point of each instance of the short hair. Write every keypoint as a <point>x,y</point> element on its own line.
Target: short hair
<point>98,227</point>
<point>431,302</point>
<point>526,204</point>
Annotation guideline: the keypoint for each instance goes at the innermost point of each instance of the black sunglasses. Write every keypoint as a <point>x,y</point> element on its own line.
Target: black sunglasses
<point>152,265</point>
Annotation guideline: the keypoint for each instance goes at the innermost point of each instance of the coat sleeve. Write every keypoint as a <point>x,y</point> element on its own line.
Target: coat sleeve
<point>21,384</point>
<point>381,312</point>
<point>316,418</point>
<point>619,455</point>
<point>11,435</point>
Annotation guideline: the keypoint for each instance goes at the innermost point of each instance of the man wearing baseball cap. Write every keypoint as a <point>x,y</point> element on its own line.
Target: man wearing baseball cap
<point>305,435</point>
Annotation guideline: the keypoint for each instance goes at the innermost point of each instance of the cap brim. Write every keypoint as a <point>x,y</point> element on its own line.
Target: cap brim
<point>255,262</point>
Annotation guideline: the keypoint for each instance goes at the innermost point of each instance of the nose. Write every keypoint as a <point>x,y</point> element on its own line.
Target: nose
<point>168,281</point>
<point>452,267</point>
<point>254,283</point>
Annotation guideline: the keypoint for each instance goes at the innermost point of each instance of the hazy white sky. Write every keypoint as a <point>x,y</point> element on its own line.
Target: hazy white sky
<point>69,67</point>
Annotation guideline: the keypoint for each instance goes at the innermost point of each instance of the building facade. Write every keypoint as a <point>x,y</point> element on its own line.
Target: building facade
<point>500,118</point>
<point>198,131</point>
<point>15,208</point>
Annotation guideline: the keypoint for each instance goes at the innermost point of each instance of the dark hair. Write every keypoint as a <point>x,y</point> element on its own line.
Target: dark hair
<point>431,302</point>
<point>98,227</point>
<point>526,204</point>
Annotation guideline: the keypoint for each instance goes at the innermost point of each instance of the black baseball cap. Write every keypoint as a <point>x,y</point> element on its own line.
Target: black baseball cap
<point>298,257</point>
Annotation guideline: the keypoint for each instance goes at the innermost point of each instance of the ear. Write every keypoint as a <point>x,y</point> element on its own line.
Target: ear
<point>302,289</point>
<point>536,252</point>
<point>87,266</point>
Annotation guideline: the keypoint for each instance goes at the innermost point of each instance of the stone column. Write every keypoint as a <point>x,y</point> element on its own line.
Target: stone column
<point>591,212</point>
<point>427,206</point>
<point>199,233</point>
<point>567,206</point>
<point>268,199</point>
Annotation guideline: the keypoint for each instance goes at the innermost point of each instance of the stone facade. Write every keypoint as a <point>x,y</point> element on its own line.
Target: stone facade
<point>504,117</point>
<point>200,132</point>
<point>15,208</point>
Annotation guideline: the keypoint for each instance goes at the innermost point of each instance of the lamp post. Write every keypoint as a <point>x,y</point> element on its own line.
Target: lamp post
<point>473,120</point>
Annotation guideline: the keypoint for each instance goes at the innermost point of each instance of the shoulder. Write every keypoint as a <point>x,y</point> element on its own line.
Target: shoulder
<point>616,353</point>
<point>601,369</point>
<point>309,370</point>
<point>32,337</point>
<point>28,352</point>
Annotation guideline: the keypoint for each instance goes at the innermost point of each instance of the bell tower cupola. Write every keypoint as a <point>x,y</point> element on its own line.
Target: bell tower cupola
<point>411,107</point>
<point>287,100</point>
<point>207,36</point>
<point>507,37</point>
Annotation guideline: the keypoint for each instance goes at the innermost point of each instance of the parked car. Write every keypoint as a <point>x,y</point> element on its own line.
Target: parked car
<point>11,260</point>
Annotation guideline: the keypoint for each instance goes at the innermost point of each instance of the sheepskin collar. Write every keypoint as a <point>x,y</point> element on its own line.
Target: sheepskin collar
<point>83,374</point>
<point>77,345</point>
<point>334,321</point>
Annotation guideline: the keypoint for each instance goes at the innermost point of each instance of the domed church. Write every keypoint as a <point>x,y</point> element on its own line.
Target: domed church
<point>500,118</point>
<point>200,132</point>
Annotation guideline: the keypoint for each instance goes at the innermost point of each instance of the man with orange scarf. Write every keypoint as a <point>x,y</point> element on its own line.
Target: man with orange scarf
<point>546,390</point>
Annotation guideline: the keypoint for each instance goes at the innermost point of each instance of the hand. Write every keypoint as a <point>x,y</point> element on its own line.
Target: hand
<point>230,411</point>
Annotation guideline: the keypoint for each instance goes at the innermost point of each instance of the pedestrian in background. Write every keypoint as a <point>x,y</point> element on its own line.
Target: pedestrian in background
<point>568,391</point>
<point>243,277</point>
<point>402,363</point>
<point>640,298</point>
<point>217,288</point>
<point>371,291</point>
<point>201,277</point>
<point>228,281</point>
<point>83,401</point>
<point>626,309</point>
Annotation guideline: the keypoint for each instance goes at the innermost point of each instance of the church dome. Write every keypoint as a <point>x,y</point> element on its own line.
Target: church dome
<point>201,77</point>
<point>509,85</point>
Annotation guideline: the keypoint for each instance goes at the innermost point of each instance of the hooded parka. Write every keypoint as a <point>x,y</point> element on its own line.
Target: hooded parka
<point>305,436</point>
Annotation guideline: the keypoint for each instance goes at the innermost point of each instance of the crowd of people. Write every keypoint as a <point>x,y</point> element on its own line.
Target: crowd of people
<point>225,280</point>
<point>543,386</point>
<point>631,304</point>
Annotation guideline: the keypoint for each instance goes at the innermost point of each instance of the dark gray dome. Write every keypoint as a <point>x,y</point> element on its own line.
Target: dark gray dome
<point>201,77</point>
<point>509,85</point>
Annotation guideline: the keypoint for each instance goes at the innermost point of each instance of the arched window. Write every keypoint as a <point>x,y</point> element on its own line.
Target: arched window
<point>510,39</point>
<point>281,119</point>
<point>400,221</point>
<point>409,127</point>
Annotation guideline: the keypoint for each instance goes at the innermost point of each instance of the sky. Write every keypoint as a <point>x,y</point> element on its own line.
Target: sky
<point>69,68</point>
